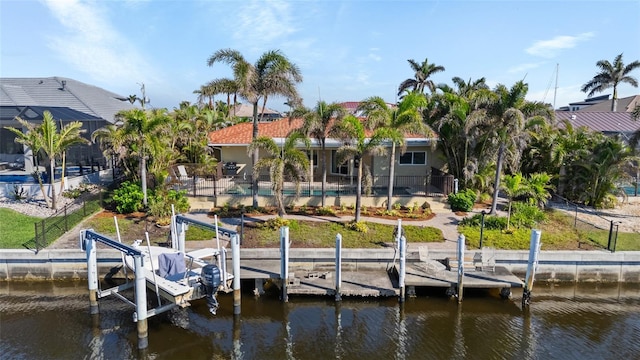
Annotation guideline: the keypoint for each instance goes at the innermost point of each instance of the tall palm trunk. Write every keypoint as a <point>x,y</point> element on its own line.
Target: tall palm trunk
<point>254,181</point>
<point>324,174</point>
<point>64,161</point>
<point>392,164</point>
<point>359,192</point>
<point>496,183</point>
<point>143,176</point>
<point>52,165</point>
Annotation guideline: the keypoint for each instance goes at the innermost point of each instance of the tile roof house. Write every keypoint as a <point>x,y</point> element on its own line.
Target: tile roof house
<point>246,111</point>
<point>67,100</point>
<point>603,103</point>
<point>230,146</point>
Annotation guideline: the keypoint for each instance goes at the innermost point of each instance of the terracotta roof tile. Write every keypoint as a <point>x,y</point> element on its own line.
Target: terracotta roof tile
<point>241,134</point>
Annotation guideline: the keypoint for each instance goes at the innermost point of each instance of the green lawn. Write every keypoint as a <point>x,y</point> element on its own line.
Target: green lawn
<point>15,228</point>
<point>323,235</point>
<point>558,233</point>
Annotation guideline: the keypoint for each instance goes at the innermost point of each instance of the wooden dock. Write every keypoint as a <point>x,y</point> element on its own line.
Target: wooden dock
<point>379,283</point>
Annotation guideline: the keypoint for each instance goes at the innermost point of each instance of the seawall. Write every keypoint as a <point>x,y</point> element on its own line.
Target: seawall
<point>554,266</point>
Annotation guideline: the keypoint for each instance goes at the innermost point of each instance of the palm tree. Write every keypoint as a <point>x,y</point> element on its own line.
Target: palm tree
<point>505,119</point>
<point>56,143</point>
<point>422,73</point>
<point>31,139</point>
<point>539,188</point>
<point>319,124</point>
<point>113,142</point>
<point>357,146</point>
<point>286,162</point>
<point>141,129</point>
<point>272,74</point>
<point>610,76</point>
<point>513,186</point>
<point>400,120</point>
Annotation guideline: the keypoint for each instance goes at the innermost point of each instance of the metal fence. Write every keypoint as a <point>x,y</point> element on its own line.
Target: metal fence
<point>241,185</point>
<point>593,228</point>
<point>51,228</point>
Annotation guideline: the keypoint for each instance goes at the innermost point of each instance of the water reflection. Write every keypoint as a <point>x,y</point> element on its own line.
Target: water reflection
<point>593,322</point>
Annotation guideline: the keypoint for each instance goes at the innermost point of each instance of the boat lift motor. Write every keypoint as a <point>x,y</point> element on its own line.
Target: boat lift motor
<point>211,278</point>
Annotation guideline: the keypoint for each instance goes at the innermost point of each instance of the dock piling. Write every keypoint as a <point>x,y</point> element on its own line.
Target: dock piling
<point>460,266</point>
<point>401,276</point>
<point>235,253</point>
<point>92,273</point>
<point>338,266</point>
<point>141,303</point>
<point>532,264</point>
<point>284,262</point>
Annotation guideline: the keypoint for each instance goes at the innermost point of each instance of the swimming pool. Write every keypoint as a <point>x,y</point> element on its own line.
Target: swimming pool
<point>71,171</point>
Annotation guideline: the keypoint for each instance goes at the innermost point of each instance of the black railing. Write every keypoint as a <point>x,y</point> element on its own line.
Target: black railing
<point>51,228</point>
<point>241,185</point>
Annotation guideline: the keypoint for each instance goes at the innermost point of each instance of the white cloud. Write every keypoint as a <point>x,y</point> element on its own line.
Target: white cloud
<point>549,48</point>
<point>261,22</point>
<point>93,46</point>
<point>524,67</point>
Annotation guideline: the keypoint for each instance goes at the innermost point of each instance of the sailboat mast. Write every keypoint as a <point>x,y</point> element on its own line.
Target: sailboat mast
<point>555,90</point>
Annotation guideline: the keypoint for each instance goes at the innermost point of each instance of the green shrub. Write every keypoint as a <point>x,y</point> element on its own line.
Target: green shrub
<point>325,211</point>
<point>161,201</point>
<point>275,223</point>
<point>128,198</point>
<point>359,226</point>
<point>526,216</point>
<point>490,222</point>
<point>462,201</point>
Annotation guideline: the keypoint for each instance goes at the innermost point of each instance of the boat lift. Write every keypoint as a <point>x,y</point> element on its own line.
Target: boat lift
<point>177,293</point>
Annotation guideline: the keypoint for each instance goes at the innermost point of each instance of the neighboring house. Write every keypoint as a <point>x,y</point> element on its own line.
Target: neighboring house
<point>67,100</point>
<point>245,111</point>
<point>603,104</point>
<point>607,122</point>
<point>352,107</point>
<point>230,146</point>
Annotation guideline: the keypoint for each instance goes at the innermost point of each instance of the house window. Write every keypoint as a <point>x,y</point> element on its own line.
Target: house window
<point>413,158</point>
<point>336,168</point>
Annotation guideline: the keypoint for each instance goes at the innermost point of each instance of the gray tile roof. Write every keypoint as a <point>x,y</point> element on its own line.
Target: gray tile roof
<point>626,104</point>
<point>60,92</point>
<point>603,121</point>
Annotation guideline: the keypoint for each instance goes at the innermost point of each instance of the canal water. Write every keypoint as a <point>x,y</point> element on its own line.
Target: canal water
<point>51,320</point>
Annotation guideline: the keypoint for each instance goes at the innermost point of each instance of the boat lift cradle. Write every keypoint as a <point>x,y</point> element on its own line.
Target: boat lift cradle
<point>177,290</point>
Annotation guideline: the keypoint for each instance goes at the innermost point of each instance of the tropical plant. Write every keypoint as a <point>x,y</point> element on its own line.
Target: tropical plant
<point>422,72</point>
<point>539,188</point>
<point>272,74</point>
<point>31,139</point>
<point>462,200</point>
<point>128,198</point>
<point>141,128</point>
<point>513,186</point>
<point>400,120</point>
<point>610,76</point>
<point>286,162</point>
<point>504,121</point>
<point>358,146</point>
<point>318,123</point>
<point>450,113</point>
<point>55,143</point>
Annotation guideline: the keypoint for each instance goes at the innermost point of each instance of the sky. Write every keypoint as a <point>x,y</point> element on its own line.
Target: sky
<point>346,50</point>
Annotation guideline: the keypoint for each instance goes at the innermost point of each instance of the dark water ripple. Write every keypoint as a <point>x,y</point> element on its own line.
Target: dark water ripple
<point>45,321</point>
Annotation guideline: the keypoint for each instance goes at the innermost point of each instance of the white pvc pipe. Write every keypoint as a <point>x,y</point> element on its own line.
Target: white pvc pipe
<point>235,248</point>
<point>284,262</point>
<point>460,266</point>
<point>338,266</point>
<point>402,271</point>
<point>141,303</point>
